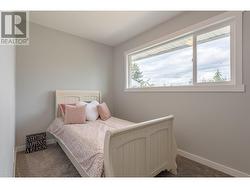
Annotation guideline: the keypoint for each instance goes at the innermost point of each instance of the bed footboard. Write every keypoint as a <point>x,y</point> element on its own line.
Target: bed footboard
<point>144,149</point>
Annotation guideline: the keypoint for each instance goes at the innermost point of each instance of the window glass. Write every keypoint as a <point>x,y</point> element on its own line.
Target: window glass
<point>213,56</point>
<point>168,64</point>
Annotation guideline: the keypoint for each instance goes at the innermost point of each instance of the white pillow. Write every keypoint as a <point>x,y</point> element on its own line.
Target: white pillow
<point>91,110</point>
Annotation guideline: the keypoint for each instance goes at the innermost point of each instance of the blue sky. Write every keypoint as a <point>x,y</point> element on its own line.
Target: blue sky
<point>175,68</point>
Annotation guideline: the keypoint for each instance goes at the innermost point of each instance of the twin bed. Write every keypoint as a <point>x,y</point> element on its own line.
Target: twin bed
<point>115,147</point>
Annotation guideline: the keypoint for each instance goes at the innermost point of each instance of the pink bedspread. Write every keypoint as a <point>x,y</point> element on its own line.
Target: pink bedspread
<point>86,141</point>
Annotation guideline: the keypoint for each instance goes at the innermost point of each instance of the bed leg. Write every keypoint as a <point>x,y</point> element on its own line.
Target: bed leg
<point>173,171</point>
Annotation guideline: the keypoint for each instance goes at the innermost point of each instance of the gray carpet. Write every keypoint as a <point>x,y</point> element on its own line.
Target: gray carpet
<point>53,162</point>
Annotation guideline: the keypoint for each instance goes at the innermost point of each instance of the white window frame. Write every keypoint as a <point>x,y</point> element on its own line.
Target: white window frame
<point>234,19</point>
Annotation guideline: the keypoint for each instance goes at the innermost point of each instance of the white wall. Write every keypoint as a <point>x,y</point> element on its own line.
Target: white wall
<point>7,110</point>
<point>56,60</point>
<point>215,126</point>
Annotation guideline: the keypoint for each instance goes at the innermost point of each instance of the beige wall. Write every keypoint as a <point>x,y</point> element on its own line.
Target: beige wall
<point>7,109</point>
<point>215,126</point>
<point>56,60</point>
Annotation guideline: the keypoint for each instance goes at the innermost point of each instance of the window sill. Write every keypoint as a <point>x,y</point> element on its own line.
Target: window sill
<point>213,89</point>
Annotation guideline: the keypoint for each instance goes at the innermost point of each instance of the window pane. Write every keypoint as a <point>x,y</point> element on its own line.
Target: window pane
<point>168,64</point>
<point>213,56</point>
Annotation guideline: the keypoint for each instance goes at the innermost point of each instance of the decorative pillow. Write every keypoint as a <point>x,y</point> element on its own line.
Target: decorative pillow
<point>61,109</point>
<point>103,111</point>
<point>91,110</point>
<point>75,114</point>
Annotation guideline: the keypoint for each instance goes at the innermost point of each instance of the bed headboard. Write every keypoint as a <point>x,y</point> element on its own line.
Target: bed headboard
<point>73,96</point>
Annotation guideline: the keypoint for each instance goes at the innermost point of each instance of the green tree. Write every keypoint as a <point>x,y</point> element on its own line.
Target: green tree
<point>137,75</point>
<point>218,76</point>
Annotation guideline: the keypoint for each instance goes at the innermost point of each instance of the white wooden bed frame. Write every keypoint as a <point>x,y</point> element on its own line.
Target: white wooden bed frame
<point>143,149</point>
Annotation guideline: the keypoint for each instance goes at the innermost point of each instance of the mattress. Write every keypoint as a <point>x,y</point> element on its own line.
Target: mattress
<point>86,141</point>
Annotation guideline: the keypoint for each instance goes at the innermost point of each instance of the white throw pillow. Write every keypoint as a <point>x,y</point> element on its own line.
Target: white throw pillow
<point>91,110</point>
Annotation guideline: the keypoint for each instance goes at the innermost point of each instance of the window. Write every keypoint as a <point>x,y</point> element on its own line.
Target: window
<point>204,59</point>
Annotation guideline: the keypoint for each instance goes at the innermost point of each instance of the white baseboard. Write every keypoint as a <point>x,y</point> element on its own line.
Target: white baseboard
<point>214,165</point>
<point>22,147</point>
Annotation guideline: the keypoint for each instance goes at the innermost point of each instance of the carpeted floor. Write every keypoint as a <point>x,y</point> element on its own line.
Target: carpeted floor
<point>53,162</point>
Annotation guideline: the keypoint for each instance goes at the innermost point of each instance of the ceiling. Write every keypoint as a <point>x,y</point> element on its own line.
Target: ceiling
<point>107,27</point>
